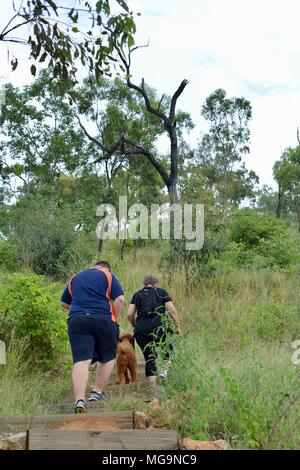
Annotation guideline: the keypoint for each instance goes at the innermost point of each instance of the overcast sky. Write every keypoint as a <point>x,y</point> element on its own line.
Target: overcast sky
<point>250,48</point>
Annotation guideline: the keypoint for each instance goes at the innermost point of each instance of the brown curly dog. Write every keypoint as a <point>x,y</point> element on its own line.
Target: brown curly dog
<point>126,359</point>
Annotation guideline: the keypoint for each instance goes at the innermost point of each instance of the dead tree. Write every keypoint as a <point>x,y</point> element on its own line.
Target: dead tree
<point>127,147</point>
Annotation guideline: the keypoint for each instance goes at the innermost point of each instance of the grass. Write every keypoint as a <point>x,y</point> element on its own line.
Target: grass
<point>24,391</point>
<point>232,376</point>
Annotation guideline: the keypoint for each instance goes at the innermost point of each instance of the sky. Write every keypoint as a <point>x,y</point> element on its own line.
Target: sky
<point>250,48</point>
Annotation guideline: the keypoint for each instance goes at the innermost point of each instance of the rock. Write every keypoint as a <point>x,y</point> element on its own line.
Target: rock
<point>154,405</point>
<point>141,420</point>
<point>190,444</point>
<point>14,442</point>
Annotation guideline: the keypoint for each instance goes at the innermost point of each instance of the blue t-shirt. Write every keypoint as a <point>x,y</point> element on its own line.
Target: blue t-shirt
<point>89,293</point>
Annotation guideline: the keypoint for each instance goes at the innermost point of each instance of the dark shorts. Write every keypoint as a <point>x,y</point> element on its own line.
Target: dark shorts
<point>149,341</point>
<point>93,337</point>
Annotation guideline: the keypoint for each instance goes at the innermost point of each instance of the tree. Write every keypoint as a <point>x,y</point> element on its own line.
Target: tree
<point>266,199</point>
<point>221,149</point>
<point>287,174</point>
<point>59,35</point>
<point>40,136</point>
<point>45,162</point>
<point>162,113</point>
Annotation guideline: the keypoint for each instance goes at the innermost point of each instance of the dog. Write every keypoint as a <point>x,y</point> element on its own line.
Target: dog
<point>126,360</point>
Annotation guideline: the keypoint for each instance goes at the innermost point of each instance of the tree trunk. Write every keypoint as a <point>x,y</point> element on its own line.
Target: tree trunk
<point>100,245</point>
<point>298,217</point>
<point>172,190</point>
<point>279,202</point>
<point>122,249</point>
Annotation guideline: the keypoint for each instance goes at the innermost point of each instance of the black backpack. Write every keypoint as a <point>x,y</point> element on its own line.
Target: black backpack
<point>146,302</point>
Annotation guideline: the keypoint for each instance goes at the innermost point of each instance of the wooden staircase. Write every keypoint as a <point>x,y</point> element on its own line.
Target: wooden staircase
<point>61,429</point>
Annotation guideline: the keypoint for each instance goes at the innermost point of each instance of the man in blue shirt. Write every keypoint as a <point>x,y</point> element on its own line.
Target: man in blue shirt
<point>94,298</point>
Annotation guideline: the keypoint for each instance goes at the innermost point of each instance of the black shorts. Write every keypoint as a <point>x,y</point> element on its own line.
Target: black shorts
<point>93,337</point>
<point>149,341</point>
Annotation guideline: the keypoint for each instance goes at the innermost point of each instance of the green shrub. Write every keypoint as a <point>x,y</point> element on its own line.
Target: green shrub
<point>8,256</point>
<point>259,240</point>
<point>278,250</point>
<point>250,228</point>
<point>29,308</point>
<point>274,322</point>
<point>250,399</point>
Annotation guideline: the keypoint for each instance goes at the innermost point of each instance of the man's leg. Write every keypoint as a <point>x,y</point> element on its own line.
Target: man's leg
<point>80,376</point>
<point>103,373</point>
<point>145,343</point>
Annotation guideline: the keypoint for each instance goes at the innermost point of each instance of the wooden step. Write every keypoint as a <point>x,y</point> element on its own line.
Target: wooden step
<point>53,439</point>
<point>67,407</point>
<point>104,421</point>
<point>137,389</point>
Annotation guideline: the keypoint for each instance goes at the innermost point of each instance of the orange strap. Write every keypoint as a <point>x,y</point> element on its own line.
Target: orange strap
<point>70,285</point>
<point>107,294</point>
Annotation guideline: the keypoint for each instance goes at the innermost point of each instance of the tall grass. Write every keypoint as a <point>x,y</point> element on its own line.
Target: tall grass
<point>24,391</point>
<point>232,376</point>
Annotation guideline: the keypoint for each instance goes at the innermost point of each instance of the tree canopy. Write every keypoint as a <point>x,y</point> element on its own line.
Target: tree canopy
<point>83,32</point>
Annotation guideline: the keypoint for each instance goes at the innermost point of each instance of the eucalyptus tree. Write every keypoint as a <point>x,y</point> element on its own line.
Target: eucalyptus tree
<point>222,148</point>
<point>63,35</point>
<point>155,117</point>
<point>287,174</point>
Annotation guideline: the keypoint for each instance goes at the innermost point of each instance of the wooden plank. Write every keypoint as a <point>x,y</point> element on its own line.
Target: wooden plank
<point>112,390</point>
<point>52,439</point>
<point>68,407</point>
<point>118,419</point>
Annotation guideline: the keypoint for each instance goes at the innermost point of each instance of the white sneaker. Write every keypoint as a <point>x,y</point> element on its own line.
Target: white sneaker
<point>163,374</point>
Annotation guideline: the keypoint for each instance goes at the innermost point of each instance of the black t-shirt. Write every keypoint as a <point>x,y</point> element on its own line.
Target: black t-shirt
<point>150,306</point>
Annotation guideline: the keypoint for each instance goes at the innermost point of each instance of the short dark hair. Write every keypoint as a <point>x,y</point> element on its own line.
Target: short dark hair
<point>150,279</point>
<point>103,264</point>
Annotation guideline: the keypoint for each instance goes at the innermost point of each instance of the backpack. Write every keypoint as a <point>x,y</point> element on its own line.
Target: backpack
<point>146,302</point>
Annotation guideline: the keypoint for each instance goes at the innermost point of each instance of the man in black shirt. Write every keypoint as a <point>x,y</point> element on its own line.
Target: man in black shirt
<point>146,310</point>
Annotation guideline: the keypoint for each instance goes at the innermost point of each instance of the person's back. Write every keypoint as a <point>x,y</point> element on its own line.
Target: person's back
<point>91,292</point>
<point>146,311</point>
<point>150,307</point>
<point>94,298</point>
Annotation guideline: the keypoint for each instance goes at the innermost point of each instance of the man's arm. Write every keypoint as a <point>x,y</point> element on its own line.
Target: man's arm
<point>118,304</point>
<point>65,306</point>
<point>66,299</point>
<point>131,313</point>
<point>173,313</point>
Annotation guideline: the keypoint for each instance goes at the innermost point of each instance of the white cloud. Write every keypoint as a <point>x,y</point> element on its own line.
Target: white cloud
<point>250,48</point>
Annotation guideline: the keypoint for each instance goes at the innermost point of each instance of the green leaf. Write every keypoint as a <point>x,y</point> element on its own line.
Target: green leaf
<point>130,41</point>
<point>123,5</point>
<point>43,57</point>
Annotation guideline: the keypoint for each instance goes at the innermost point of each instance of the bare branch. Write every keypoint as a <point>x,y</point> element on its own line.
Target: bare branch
<point>5,33</point>
<point>109,151</point>
<point>141,150</point>
<point>175,97</point>
<point>161,100</point>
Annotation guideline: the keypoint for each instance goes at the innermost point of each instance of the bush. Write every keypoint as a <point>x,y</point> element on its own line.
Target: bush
<point>251,400</point>
<point>43,236</point>
<point>260,240</point>
<point>8,256</point>
<point>30,309</point>
<point>274,322</point>
<point>250,228</point>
